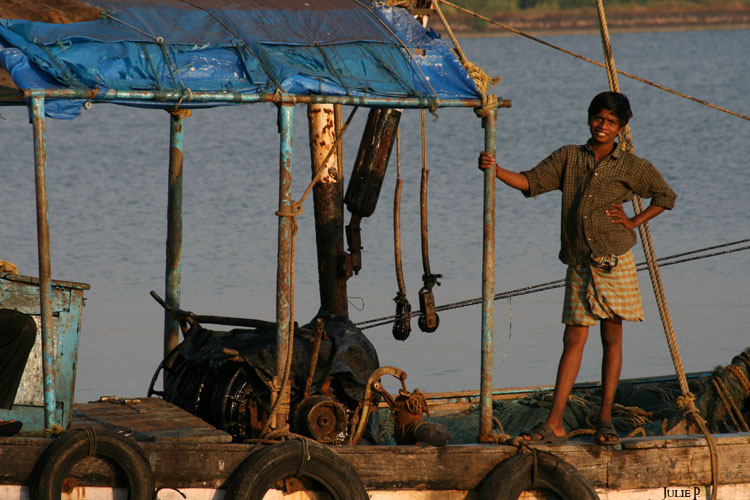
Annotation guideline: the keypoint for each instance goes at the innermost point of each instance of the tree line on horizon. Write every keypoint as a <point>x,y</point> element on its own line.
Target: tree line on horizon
<point>485,6</point>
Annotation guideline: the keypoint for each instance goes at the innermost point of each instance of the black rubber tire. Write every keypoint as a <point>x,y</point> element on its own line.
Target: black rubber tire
<point>264,468</point>
<point>514,475</point>
<point>71,447</point>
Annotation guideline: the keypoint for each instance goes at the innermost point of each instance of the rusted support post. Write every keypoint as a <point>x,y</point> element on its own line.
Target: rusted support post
<point>488,282</point>
<point>173,272</point>
<point>284,262</point>
<point>45,267</point>
<point>328,197</point>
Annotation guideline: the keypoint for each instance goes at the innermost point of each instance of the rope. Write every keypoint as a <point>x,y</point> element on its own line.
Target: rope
<point>415,401</point>
<point>477,74</point>
<point>91,435</point>
<point>541,287</point>
<point>740,376</point>
<point>281,394</point>
<point>331,68</point>
<point>304,455</point>
<point>435,99</point>
<point>322,172</point>
<point>583,58</point>
<point>171,65</point>
<point>730,405</point>
<point>397,217</point>
<point>282,402</point>
<point>653,269</point>
<point>267,70</point>
<point>744,358</point>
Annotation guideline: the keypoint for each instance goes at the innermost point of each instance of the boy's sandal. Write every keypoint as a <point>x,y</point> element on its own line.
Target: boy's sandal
<point>10,427</point>
<point>605,431</point>
<point>542,433</point>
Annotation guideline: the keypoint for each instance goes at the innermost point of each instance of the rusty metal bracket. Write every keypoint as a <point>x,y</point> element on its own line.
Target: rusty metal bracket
<point>373,387</point>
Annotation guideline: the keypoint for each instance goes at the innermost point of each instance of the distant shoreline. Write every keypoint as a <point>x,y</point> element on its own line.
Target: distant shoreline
<point>578,22</point>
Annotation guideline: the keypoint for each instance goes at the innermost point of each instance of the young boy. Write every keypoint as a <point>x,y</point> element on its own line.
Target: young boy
<point>596,237</point>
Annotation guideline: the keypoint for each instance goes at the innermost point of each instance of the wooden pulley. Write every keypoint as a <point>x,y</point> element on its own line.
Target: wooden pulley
<point>428,318</point>
<point>402,325</point>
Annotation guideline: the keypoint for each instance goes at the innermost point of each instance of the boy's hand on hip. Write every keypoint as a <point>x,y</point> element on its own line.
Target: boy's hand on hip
<point>618,216</point>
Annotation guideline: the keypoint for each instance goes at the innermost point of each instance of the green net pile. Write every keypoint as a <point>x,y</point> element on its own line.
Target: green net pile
<point>640,408</point>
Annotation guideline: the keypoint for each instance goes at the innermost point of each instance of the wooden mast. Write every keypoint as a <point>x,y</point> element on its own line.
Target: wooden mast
<point>328,197</point>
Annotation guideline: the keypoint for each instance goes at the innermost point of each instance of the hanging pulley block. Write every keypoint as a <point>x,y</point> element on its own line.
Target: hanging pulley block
<point>372,160</point>
<point>428,319</point>
<point>402,325</point>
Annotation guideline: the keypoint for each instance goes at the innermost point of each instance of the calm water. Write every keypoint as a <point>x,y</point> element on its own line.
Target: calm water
<point>107,177</point>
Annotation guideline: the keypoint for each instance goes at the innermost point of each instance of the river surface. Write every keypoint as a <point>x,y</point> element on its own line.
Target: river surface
<point>107,183</point>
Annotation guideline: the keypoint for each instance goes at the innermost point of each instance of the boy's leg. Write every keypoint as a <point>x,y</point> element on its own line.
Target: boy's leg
<point>574,340</point>
<point>611,333</point>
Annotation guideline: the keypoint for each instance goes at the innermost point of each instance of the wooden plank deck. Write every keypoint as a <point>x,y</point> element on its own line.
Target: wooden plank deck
<point>185,452</point>
<point>146,419</point>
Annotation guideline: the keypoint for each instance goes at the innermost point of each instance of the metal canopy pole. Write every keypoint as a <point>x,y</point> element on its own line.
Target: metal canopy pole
<point>45,267</point>
<point>285,265</point>
<point>488,282</point>
<point>173,272</point>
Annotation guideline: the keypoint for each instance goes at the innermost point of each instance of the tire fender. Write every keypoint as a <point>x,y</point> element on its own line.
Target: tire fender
<point>299,457</point>
<point>519,473</point>
<point>73,446</point>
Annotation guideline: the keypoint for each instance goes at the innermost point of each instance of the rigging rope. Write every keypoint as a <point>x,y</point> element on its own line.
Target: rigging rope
<point>597,63</point>
<point>688,399</point>
<point>171,65</point>
<point>434,99</point>
<point>265,67</point>
<point>481,79</point>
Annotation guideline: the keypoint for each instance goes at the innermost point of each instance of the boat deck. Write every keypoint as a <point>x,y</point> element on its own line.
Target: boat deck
<point>186,452</point>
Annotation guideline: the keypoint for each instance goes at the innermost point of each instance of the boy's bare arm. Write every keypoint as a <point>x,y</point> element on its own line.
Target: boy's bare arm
<point>512,179</point>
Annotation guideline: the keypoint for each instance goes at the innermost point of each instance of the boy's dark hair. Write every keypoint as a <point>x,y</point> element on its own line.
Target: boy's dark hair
<point>614,102</point>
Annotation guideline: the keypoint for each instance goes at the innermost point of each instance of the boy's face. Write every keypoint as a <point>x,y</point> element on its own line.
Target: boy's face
<point>604,126</point>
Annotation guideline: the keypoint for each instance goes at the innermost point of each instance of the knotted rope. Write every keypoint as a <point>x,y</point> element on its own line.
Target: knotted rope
<point>481,79</point>
<point>281,393</point>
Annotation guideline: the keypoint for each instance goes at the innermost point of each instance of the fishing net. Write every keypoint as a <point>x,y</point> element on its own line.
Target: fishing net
<point>646,408</point>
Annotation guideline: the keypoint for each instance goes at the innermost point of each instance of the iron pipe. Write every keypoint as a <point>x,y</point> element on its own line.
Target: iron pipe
<point>173,270</point>
<point>169,96</point>
<point>489,124</point>
<point>45,267</point>
<point>285,264</point>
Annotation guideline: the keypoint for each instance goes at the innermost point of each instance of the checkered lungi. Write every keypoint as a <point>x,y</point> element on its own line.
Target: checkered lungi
<point>593,293</point>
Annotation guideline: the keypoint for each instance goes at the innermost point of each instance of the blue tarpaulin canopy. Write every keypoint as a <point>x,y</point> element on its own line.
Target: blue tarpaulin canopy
<point>349,48</point>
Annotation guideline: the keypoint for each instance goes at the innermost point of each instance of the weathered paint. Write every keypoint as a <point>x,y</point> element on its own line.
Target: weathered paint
<point>21,293</point>
<point>328,198</point>
<point>173,273</point>
<point>285,263</point>
<point>488,282</point>
<point>45,267</point>
<point>240,98</point>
